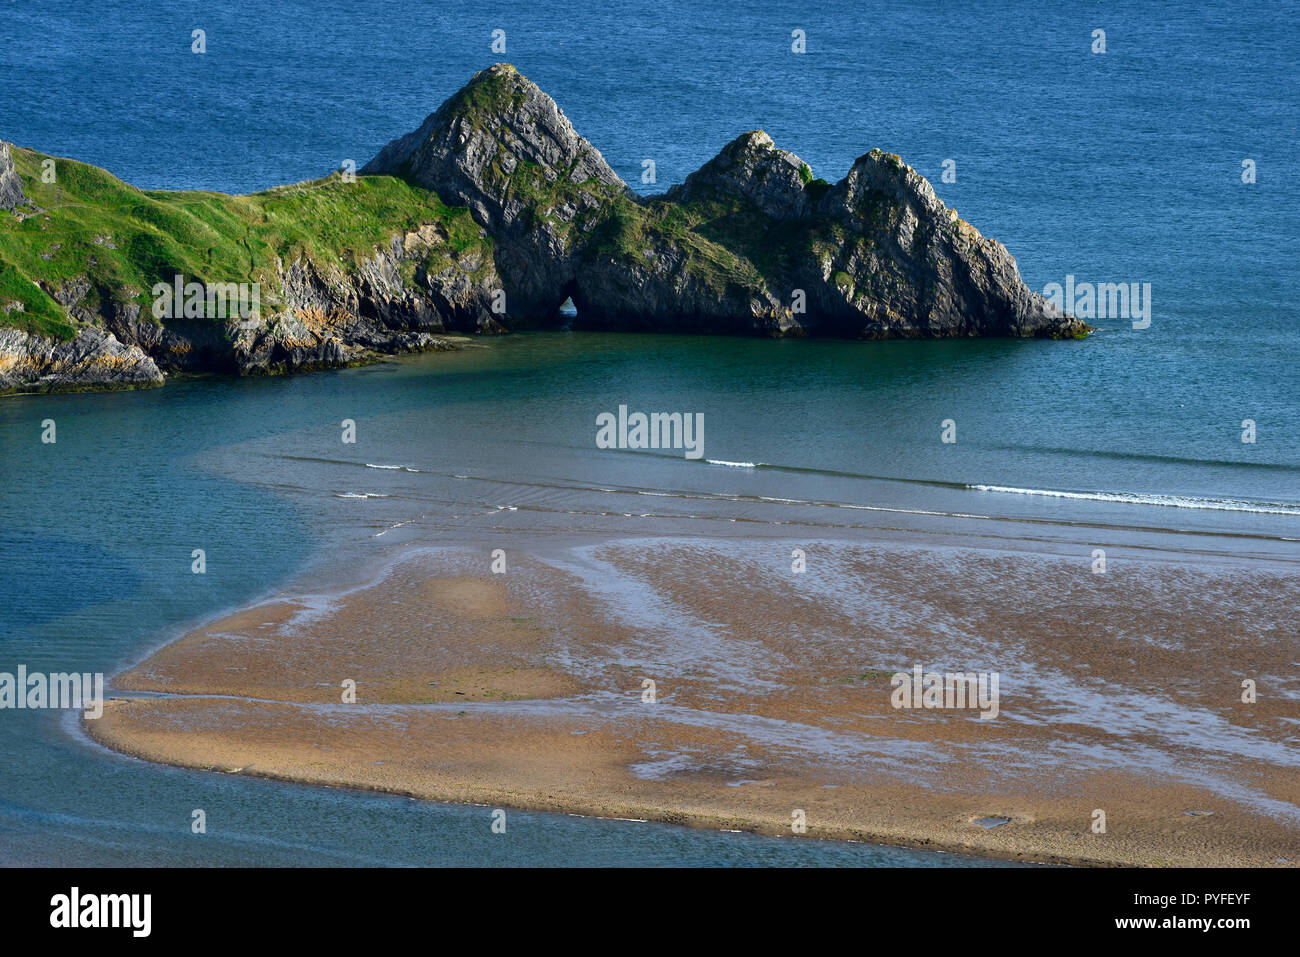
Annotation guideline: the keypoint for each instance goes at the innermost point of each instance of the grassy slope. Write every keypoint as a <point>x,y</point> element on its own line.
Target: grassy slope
<point>204,236</point>
<point>727,240</point>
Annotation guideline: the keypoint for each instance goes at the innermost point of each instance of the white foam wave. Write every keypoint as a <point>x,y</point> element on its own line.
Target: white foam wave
<point>1169,501</point>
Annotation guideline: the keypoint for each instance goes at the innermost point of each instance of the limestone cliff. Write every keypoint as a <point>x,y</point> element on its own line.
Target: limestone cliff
<point>750,243</point>
<point>11,186</point>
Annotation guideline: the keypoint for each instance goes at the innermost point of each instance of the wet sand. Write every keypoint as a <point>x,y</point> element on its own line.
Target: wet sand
<point>1119,692</point>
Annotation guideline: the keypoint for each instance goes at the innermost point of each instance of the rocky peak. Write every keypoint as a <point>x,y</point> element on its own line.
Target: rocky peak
<point>11,184</point>
<point>883,181</point>
<point>498,127</point>
<point>972,285</point>
<point>879,175</point>
<point>503,148</point>
<point>751,167</point>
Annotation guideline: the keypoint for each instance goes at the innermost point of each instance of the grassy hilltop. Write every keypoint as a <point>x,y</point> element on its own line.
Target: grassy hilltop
<point>121,240</point>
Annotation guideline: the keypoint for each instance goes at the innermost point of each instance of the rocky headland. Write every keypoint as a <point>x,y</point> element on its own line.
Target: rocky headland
<point>485,219</point>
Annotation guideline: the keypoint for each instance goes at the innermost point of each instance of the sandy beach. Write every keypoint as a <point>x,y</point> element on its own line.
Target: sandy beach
<point>1118,693</point>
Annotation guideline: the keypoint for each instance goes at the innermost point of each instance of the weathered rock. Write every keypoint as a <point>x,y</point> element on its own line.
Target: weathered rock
<point>876,256</point>
<point>659,289</point>
<point>751,168</point>
<point>913,267</point>
<point>503,148</point>
<point>95,359</point>
<point>11,185</point>
<point>750,243</point>
<point>324,316</point>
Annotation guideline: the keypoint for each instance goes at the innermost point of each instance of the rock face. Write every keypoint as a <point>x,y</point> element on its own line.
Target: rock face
<point>752,169</point>
<point>11,186</point>
<point>503,148</point>
<point>324,316</point>
<point>914,267</point>
<point>750,243</point>
<point>95,359</point>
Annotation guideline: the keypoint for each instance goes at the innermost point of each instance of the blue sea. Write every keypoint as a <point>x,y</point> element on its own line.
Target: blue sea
<point>1123,166</point>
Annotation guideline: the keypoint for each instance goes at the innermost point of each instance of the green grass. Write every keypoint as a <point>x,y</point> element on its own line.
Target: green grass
<point>491,94</point>
<point>40,315</point>
<point>122,240</point>
<point>714,258</point>
<point>816,189</point>
<point>736,240</point>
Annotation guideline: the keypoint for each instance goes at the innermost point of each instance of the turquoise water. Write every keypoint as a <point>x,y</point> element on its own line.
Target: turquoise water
<point>1122,167</point>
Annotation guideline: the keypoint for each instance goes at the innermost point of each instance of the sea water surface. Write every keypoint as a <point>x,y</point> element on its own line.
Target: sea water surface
<point>1115,167</point>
